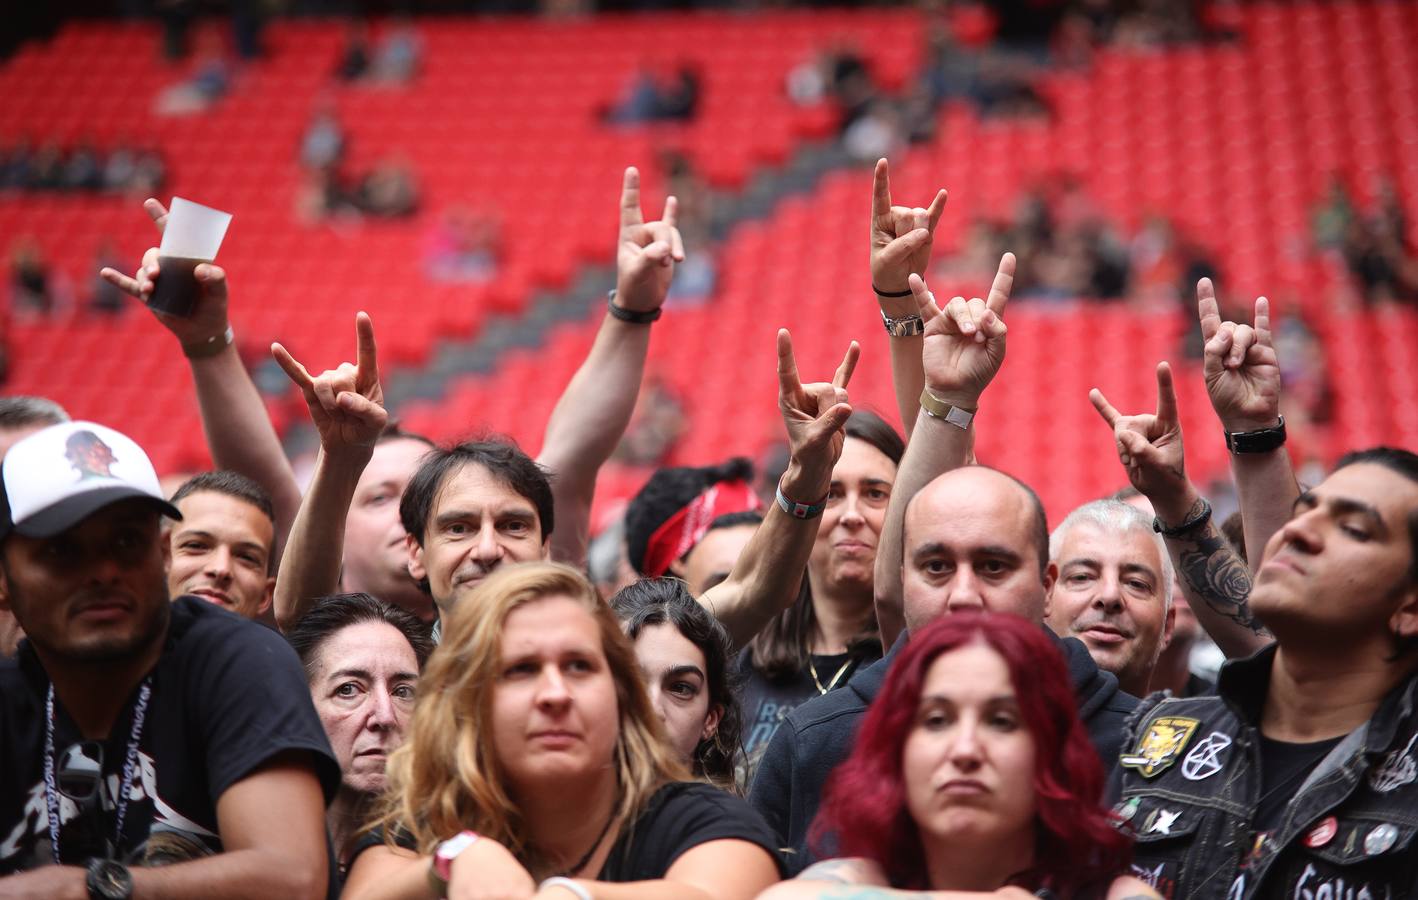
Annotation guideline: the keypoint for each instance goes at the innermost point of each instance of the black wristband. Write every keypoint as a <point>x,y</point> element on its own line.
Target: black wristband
<point>628,315</point>
<point>881,293</point>
<point>1263,440</point>
<point>1201,518</point>
<point>108,880</point>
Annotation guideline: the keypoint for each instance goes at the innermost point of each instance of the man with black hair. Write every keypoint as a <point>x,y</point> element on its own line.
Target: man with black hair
<point>133,728</point>
<point>223,549</point>
<point>1300,776</point>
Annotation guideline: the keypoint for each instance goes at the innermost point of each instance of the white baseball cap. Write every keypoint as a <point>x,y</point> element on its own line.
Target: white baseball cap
<point>57,477</point>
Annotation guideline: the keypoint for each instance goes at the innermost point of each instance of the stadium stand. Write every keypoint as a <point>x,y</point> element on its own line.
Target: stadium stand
<point>1234,142</point>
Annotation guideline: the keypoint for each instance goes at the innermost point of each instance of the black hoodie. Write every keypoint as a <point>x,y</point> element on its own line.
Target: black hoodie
<point>818,735</point>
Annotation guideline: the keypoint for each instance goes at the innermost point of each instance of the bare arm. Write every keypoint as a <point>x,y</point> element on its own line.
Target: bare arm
<point>963,350</point>
<point>596,407</point>
<point>1242,375</point>
<point>716,870</point>
<point>901,239</point>
<point>272,826</point>
<point>769,572</point>
<point>1214,579</point>
<point>347,408</point>
<point>239,433</point>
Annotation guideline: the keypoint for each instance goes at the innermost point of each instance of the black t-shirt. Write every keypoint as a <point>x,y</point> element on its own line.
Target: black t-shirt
<point>679,817</point>
<point>227,695</point>
<point>1283,768</point>
<point>766,701</point>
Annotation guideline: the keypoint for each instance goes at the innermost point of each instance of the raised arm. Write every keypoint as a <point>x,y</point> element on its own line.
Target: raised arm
<point>596,406</point>
<point>239,433</point>
<point>1243,381</point>
<point>768,573</point>
<point>963,350</point>
<point>901,238</point>
<point>347,408</point>
<point>1214,579</point>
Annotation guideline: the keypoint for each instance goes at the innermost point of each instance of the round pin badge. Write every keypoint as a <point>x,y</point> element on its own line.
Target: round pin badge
<point>1380,839</point>
<point>1322,833</point>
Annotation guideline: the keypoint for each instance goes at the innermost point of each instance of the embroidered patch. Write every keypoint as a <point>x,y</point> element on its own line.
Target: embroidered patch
<point>1127,810</point>
<point>1396,770</point>
<point>1205,759</point>
<point>1161,745</point>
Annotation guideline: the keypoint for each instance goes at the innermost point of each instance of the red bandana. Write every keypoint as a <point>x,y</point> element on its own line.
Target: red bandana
<point>686,528</point>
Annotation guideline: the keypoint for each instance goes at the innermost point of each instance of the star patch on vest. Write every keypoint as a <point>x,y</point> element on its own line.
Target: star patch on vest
<point>1160,746</point>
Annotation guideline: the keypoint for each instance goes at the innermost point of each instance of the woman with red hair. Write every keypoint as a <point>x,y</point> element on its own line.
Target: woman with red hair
<point>972,776</point>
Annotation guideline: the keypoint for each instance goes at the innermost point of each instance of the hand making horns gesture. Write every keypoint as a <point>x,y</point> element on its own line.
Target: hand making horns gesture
<point>1149,446</point>
<point>646,252</point>
<point>346,403</point>
<point>901,236</point>
<point>1240,366</point>
<point>965,342</point>
<point>814,415</point>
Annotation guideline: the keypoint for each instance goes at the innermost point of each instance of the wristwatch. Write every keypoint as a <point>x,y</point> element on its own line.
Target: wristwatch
<point>108,880</point>
<point>1262,440</point>
<point>903,326</point>
<point>443,855</point>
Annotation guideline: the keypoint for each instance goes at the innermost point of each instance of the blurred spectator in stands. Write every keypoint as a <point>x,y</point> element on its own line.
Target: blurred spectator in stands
<point>107,298</point>
<point>15,166</point>
<point>83,170</point>
<point>697,275</point>
<point>878,131</point>
<point>46,171</point>
<point>209,82</point>
<point>323,144</point>
<point>1376,248</point>
<point>388,191</point>
<point>1156,263</point>
<point>656,426</point>
<point>1308,395</point>
<point>659,96</point>
<point>463,245</point>
<point>1331,218</point>
<point>1156,23</point>
<point>34,289</point>
<point>149,173</point>
<point>354,58</point>
<point>397,58</point>
<point>324,196</point>
<point>951,70</point>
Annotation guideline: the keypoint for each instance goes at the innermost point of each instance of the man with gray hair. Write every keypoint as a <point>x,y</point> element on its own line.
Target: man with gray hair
<point>21,417</point>
<point>1111,587</point>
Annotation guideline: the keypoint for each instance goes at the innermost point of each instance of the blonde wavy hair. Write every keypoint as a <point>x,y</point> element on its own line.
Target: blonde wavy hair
<point>446,777</point>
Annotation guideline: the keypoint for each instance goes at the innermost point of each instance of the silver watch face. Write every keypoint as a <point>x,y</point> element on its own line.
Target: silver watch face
<point>905,326</point>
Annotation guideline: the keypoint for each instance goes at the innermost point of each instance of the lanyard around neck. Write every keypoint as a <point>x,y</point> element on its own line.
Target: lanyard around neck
<point>130,767</point>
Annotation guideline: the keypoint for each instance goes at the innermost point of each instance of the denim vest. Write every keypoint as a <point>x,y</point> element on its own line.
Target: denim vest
<point>1191,783</point>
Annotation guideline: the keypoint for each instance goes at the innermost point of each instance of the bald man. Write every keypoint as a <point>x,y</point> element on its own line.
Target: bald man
<point>975,538</point>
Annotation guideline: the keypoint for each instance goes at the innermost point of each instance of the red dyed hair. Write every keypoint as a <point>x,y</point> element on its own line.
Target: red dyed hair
<point>864,805</point>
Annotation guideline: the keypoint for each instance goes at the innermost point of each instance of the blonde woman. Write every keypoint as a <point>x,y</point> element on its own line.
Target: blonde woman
<point>535,766</point>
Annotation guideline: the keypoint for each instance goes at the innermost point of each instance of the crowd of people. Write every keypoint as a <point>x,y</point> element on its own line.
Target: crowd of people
<point>82,168</point>
<point>889,679</point>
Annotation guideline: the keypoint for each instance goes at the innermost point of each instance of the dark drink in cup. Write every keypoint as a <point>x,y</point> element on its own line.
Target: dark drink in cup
<point>176,290</point>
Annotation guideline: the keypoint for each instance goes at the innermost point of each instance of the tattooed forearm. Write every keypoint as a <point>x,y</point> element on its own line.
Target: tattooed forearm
<point>1214,574</point>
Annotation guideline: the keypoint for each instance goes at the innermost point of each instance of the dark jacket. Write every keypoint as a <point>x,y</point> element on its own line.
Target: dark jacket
<point>818,735</point>
<point>1191,784</point>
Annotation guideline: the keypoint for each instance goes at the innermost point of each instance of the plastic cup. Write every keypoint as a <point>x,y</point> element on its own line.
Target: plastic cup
<point>192,236</point>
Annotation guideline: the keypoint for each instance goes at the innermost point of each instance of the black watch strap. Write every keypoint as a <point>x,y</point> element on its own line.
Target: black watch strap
<point>1262,441</point>
<point>108,880</point>
<point>630,315</point>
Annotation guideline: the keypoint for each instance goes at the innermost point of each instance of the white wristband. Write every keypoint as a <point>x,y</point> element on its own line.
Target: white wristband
<point>576,889</point>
